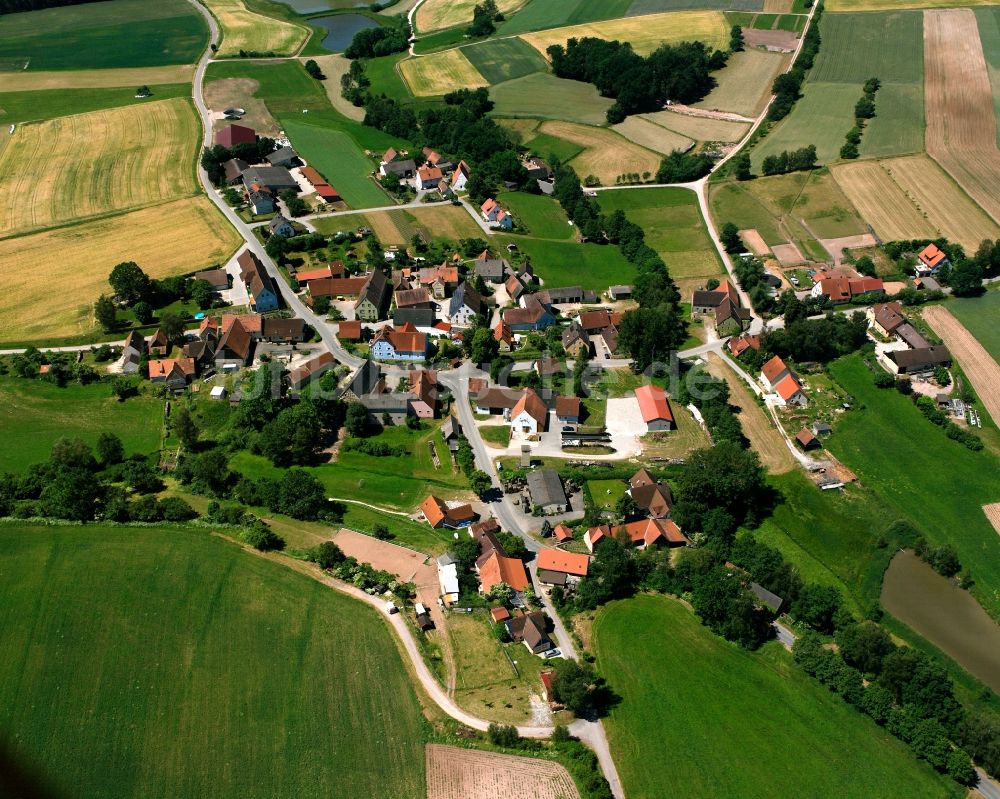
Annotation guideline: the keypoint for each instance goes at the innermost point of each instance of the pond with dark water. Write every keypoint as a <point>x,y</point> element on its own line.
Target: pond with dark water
<point>944,614</point>
<point>340,29</point>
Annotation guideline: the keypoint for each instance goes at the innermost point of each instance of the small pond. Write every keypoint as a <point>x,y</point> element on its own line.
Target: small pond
<point>944,614</point>
<point>340,29</point>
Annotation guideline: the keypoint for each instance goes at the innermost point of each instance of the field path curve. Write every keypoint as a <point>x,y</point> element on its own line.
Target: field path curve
<point>976,362</point>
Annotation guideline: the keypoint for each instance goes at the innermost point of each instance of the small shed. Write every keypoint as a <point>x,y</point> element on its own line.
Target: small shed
<point>821,429</point>
<point>806,439</point>
<point>218,393</point>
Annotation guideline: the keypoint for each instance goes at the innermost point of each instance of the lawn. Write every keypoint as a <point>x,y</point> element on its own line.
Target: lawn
<point>79,259</point>
<point>907,446</point>
<point>559,263</point>
<point>167,662</point>
<point>393,482</point>
<point>34,413</point>
<point>505,59</point>
<point>486,683</point>
<point>19,107</point>
<point>333,153</point>
<point>541,216</point>
<point>495,434</point>
<point>606,493</point>
<point>551,147</point>
<point>545,96</point>
<point>673,225</point>
<point>979,315</point>
<point>116,33</point>
<point>98,163</point>
<point>399,226</point>
<point>683,690</point>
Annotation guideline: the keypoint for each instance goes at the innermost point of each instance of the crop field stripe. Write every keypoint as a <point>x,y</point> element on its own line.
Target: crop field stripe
<point>93,164</point>
<point>698,128</point>
<point>961,124</point>
<point>94,78</point>
<point>176,238</point>
<point>440,73</point>
<point>652,136</point>
<point>645,33</point>
<point>455,773</point>
<point>897,5</point>
<point>744,84</point>
<point>243,29</point>
<point>979,366</point>
<point>882,201</point>
<point>606,154</point>
<point>505,59</point>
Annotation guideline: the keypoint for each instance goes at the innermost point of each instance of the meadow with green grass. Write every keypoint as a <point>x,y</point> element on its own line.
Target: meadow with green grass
<point>401,482</point>
<point>36,106</point>
<point>684,690</point>
<point>169,662</point>
<point>115,33</point>
<point>673,225</point>
<point>545,146</point>
<point>979,315</point>
<point>544,96</point>
<point>35,413</point>
<point>541,216</point>
<point>505,59</point>
<point>568,263</point>
<point>892,447</point>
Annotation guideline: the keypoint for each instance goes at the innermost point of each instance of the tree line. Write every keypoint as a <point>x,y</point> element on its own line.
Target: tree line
<point>679,73</point>
<point>393,37</point>
<point>14,6</point>
<point>787,87</point>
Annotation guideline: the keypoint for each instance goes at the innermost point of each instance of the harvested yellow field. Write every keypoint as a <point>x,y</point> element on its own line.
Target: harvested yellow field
<point>449,221</point>
<point>87,165</point>
<point>648,134</point>
<point>520,129</point>
<point>645,33</point>
<point>961,126</point>
<point>993,514</point>
<point>335,67</point>
<point>388,228</point>
<point>744,84</point>
<point>53,277</point>
<point>440,73</point>
<point>94,78</point>
<point>882,202</point>
<point>699,128</point>
<point>435,15</point>
<point>454,773</point>
<point>606,155</point>
<point>246,30</point>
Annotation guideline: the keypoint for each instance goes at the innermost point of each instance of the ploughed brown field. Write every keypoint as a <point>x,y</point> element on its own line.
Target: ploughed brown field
<point>454,773</point>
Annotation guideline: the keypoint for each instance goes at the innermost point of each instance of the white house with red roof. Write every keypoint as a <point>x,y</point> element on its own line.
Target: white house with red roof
<point>460,177</point>
<point>778,379</point>
<point>930,259</point>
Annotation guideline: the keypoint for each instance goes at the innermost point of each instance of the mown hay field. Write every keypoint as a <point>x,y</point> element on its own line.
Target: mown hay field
<point>505,59</point>
<point>32,80</point>
<point>398,226</point>
<point>454,773</point>
<point>895,5</point>
<point>545,96</point>
<point>961,124</point>
<point>436,15</point>
<point>912,197</point>
<point>115,33</point>
<point>645,33</point>
<point>118,636</point>
<point>54,277</point>
<point>335,67</point>
<point>698,128</point>
<point>648,134</point>
<point>243,29</point>
<point>780,723</point>
<point>744,84</point>
<point>440,73</point>
<point>88,165</point>
<point>606,155</point>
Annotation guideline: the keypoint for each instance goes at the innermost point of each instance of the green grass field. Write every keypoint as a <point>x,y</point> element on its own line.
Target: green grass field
<point>979,315</point>
<point>709,719</point>
<point>333,153</point>
<point>821,117</point>
<point>542,14</point>
<point>673,226</point>
<point>34,413</point>
<point>988,22</point>
<point>545,146</point>
<point>167,662</point>
<point>542,216</point>
<point>606,493</point>
<point>685,692</point>
<point>888,444</point>
<point>505,59</point>
<point>36,106</point>
<point>545,96</point>
<point>558,263</point>
<point>117,33</point>
<point>392,482</point>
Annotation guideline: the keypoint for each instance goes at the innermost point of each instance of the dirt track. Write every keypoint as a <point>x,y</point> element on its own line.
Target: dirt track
<point>961,127</point>
<point>976,362</point>
<point>454,773</point>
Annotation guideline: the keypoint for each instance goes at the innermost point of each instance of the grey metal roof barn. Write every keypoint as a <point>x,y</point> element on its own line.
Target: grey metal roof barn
<point>546,488</point>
